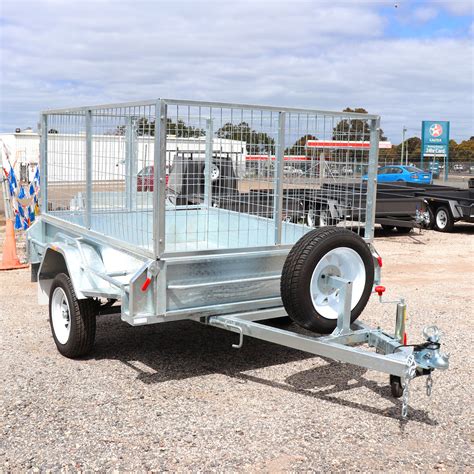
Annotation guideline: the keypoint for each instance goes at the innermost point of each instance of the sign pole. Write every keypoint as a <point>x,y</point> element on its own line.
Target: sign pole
<point>422,144</point>
<point>446,156</point>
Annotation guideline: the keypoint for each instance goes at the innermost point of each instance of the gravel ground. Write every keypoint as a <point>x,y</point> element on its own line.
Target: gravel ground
<point>178,397</point>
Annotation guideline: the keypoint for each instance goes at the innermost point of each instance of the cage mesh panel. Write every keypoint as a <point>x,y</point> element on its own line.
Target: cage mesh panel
<point>221,173</point>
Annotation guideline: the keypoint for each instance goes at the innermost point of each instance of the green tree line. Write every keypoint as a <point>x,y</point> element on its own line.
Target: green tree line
<point>345,129</point>
<point>461,152</point>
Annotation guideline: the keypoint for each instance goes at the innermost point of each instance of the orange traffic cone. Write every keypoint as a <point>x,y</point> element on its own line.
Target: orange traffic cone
<point>10,258</point>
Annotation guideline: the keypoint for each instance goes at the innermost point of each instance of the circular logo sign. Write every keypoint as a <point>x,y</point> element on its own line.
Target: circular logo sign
<point>436,130</point>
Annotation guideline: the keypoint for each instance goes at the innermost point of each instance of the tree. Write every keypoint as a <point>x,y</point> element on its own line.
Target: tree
<point>257,142</point>
<point>354,129</point>
<point>145,127</point>
<point>389,155</point>
<point>299,147</point>
<point>413,145</point>
<point>180,129</point>
<point>465,150</point>
<point>453,150</point>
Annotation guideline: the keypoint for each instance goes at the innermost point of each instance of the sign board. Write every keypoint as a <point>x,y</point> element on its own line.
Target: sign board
<point>434,138</point>
<point>272,158</point>
<point>345,144</point>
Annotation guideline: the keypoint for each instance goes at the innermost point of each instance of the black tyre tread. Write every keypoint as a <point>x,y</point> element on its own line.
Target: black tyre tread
<point>396,386</point>
<point>290,278</point>
<point>84,313</point>
<point>449,225</point>
<point>284,321</point>
<point>404,230</point>
<point>430,225</point>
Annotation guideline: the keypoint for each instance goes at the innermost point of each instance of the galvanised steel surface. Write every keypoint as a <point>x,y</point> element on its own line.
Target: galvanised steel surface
<point>216,193</point>
<point>187,210</point>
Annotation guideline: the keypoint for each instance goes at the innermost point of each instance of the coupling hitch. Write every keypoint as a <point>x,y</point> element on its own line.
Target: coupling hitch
<point>425,358</point>
<point>428,355</point>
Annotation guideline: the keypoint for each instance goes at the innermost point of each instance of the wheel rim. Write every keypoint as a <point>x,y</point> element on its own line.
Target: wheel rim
<point>310,218</point>
<point>214,173</point>
<point>343,262</point>
<point>441,219</point>
<point>60,315</point>
<point>324,219</point>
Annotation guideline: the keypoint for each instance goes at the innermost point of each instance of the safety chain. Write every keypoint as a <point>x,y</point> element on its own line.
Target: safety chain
<point>410,373</point>
<point>429,385</point>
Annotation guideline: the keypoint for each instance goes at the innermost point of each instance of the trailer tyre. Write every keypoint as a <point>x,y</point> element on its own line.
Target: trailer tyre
<point>331,251</point>
<point>443,221</point>
<point>404,230</point>
<point>72,321</point>
<point>430,224</point>
<point>396,386</point>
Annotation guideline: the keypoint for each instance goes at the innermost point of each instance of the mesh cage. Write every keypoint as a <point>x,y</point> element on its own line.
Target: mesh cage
<point>174,176</point>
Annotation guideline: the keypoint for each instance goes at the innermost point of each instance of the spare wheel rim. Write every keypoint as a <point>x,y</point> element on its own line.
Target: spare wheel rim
<point>60,315</point>
<point>343,262</point>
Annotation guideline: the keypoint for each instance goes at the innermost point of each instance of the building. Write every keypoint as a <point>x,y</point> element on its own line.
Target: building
<point>67,154</point>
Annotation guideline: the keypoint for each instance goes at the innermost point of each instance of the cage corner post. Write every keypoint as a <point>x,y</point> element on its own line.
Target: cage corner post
<point>278,184</point>
<point>88,210</point>
<point>159,179</point>
<point>372,179</point>
<point>44,161</point>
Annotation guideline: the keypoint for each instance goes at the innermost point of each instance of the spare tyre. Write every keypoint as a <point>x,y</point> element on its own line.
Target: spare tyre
<point>331,251</point>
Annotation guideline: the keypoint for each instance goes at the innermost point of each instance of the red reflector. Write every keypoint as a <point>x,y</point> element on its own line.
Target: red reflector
<point>379,260</point>
<point>380,290</point>
<point>405,339</point>
<point>146,284</point>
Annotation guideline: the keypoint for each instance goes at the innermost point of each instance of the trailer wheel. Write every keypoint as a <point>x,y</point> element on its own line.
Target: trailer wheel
<point>215,172</point>
<point>388,228</point>
<point>320,217</point>
<point>404,230</point>
<point>325,218</point>
<point>430,224</point>
<point>282,322</point>
<point>329,251</point>
<point>443,221</point>
<point>72,321</point>
<point>311,217</point>
<point>396,386</point>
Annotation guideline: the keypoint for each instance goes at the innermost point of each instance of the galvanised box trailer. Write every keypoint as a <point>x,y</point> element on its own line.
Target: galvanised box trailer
<point>152,259</point>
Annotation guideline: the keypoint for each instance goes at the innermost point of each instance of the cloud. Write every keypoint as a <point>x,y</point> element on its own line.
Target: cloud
<point>425,14</point>
<point>458,7</point>
<point>297,53</point>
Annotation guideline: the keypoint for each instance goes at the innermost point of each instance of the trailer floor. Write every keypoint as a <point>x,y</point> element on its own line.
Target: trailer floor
<point>178,397</point>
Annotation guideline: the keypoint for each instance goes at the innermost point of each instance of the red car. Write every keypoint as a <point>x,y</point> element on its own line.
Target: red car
<point>146,180</point>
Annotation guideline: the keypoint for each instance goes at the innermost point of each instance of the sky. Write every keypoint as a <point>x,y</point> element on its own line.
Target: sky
<point>407,61</point>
